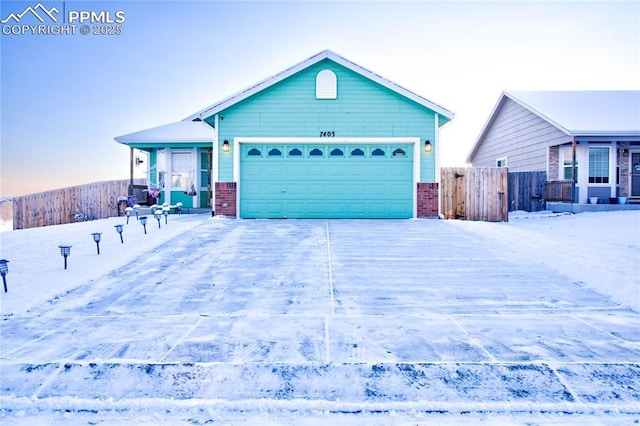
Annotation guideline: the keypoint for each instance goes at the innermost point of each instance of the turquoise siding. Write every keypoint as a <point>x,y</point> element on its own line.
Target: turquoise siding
<point>290,109</point>
<point>181,197</point>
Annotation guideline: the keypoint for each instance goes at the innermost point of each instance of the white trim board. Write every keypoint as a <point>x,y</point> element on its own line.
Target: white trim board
<point>328,141</point>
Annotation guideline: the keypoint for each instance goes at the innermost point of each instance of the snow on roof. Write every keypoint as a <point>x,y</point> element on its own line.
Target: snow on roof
<point>181,131</point>
<point>325,54</point>
<point>585,113</point>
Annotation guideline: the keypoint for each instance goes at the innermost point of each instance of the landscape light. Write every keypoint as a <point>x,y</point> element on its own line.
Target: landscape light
<point>143,221</point>
<point>127,213</point>
<point>157,214</point>
<point>179,208</point>
<point>165,212</point>
<point>65,251</point>
<point>119,231</point>
<point>4,270</point>
<point>96,238</point>
<point>136,210</point>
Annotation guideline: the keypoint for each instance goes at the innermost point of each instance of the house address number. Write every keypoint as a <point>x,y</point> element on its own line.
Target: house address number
<point>327,134</point>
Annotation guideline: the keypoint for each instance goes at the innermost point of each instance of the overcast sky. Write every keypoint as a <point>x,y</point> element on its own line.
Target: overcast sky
<point>65,97</point>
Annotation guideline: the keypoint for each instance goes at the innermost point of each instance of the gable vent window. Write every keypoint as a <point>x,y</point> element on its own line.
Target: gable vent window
<point>326,85</point>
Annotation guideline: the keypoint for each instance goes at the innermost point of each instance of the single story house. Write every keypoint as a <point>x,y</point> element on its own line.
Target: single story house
<point>590,137</point>
<point>325,138</point>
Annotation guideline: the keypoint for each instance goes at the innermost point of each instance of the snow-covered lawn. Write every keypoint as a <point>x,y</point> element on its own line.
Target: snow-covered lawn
<point>324,322</point>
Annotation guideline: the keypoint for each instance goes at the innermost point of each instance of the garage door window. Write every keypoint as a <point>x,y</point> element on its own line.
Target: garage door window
<point>377,152</point>
<point>336,152</point>
<point>275,152</point>
<point>254,152</point>
<point>357,152</point>
<point>295,152</point>
<point>399,153</point>
<point>315,152</point>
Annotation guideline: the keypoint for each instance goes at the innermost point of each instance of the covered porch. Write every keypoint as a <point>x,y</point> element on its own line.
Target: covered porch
<point>177,160</point>
<point>595,172</point>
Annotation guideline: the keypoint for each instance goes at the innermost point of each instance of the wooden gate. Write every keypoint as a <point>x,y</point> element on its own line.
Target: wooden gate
<point>478,193</point>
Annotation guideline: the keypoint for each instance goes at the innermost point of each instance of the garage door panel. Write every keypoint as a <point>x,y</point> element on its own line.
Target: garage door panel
<point>305,186</point>
<point>295,189</point>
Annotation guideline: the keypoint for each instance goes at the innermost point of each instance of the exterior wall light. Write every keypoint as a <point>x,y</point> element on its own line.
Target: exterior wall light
<point>119,231</point>
<point>96,238</point>
<point>65,251</point>
<point>427,146</point>
<point>4,270</point>
<point>225,146</point>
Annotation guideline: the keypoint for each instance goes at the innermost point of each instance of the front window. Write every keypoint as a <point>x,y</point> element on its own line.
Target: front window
<point>181,167</point>
<point>567,154</point>
<point>598,165</point>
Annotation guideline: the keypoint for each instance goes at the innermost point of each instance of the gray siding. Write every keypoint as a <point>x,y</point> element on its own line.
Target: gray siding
<point>519,135</point>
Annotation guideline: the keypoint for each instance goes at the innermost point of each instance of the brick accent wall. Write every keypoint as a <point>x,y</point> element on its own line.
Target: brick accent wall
<point>625,170</point>
<point>554,163</point>
<point>428,199</point>
<point>225,199</point>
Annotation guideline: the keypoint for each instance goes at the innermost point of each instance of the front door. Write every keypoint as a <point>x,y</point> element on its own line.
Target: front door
<point>635,174</point>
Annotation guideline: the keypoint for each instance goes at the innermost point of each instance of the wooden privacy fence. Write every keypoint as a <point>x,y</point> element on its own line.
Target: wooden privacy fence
<point>478,193</point>
<point>527,191</point>
<point>97,200</point>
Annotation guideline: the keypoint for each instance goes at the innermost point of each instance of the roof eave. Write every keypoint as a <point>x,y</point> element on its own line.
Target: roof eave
<point>325,54</point>
<point>485,128</point>
<point>600,133</point>
<point>152,141</point>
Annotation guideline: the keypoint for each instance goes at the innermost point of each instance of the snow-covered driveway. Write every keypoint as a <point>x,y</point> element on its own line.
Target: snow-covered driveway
<point>315,316</point>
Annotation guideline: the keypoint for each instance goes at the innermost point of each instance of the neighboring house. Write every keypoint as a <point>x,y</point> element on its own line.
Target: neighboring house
<point>324,138</point>
<point>541,130</point>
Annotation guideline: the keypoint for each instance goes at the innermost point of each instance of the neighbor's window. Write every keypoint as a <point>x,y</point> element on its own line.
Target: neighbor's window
<point>567,154</point>
<point>501,162</point>
<point>598,165</point>
<point>181,166</point>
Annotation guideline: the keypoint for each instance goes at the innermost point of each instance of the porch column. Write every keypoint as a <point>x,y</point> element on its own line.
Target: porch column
<point>613,166</point>
<point>130,191</point>
<point>574,178</point>
<point>583,172</point>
